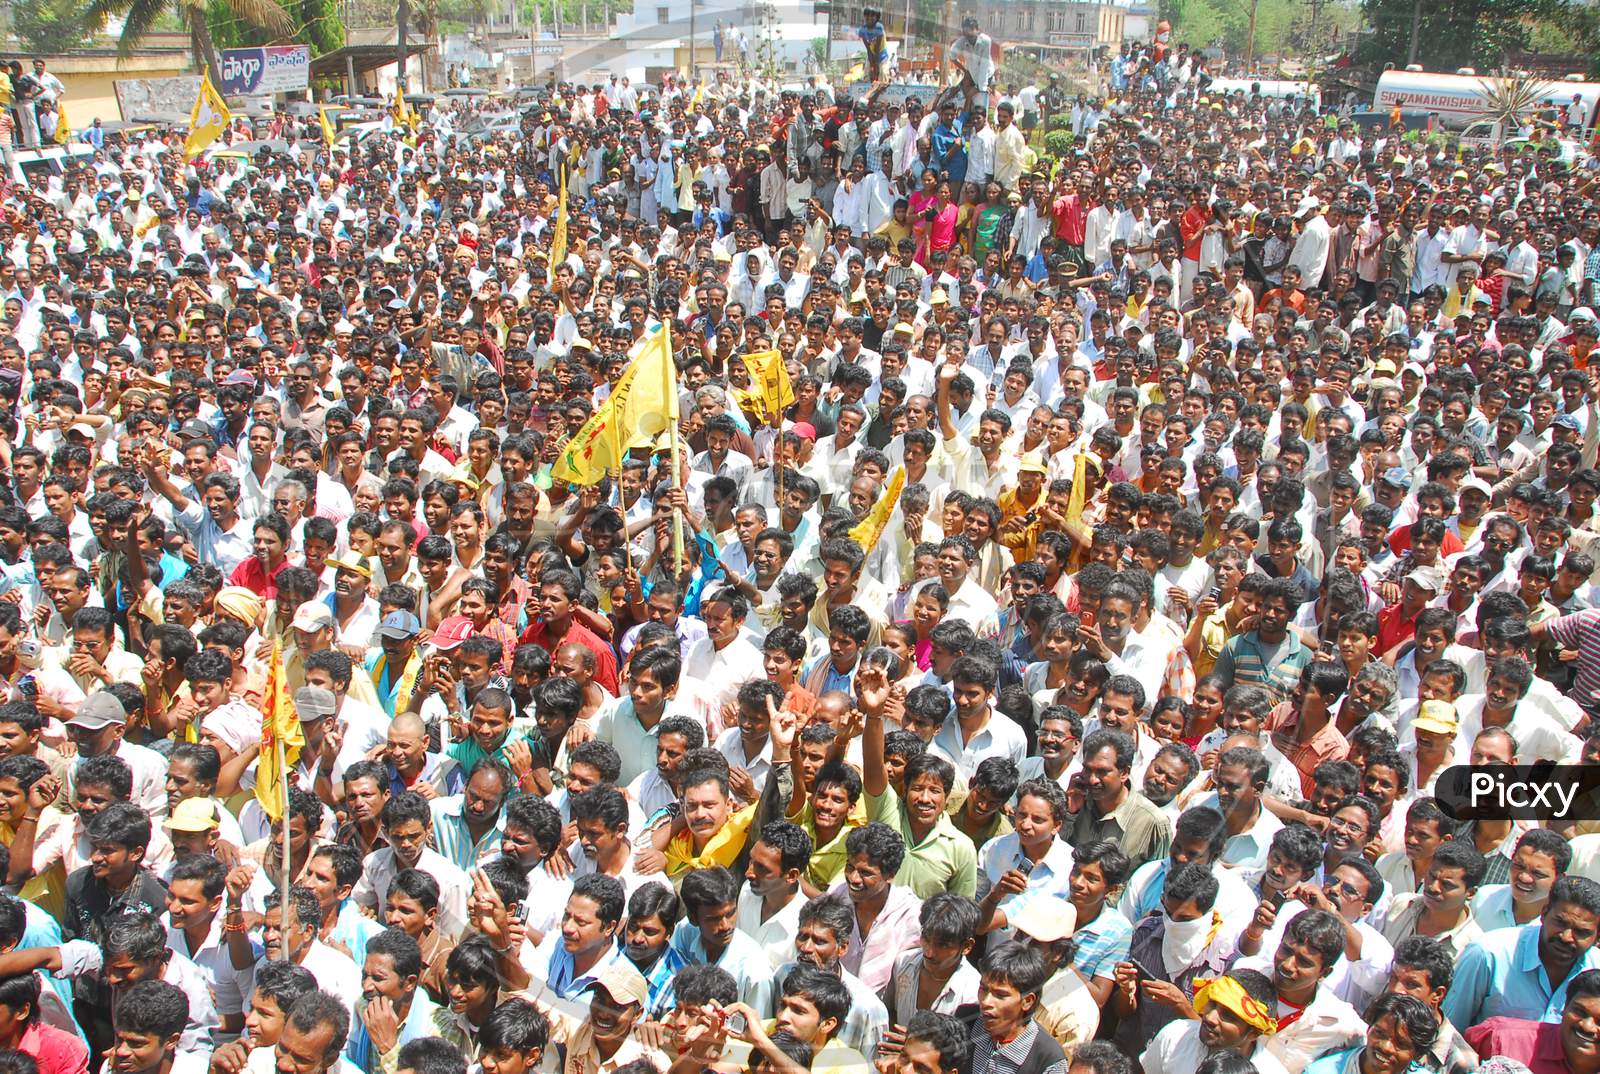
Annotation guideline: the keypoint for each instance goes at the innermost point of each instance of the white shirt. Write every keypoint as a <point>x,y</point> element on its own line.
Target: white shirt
<point>731,745</point>
<point>1466,240</point>
<point>1176,1049</point>
<point>775,934</point>
<point>1310,254</point>
<point>1000,737</point>
<point>229,986</point>
<point>724,670</point>
<point>379,871</point>
<point>79,957</point>
<point>336,973</point>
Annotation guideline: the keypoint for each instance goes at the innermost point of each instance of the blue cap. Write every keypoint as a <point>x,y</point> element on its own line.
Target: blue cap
<point>399,625</point>
<point>1567,421</point>
<point>1398,476</point>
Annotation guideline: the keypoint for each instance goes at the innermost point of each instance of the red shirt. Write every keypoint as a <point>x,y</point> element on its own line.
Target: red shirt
<point>605,661</point>
<point>1071,213</point>
<point>254,577</point>
<point>1536,1045</point>
<point>55,1051</point>
<point>1392,629</point>
<point>1192,225</point>
<point>1400,542</point>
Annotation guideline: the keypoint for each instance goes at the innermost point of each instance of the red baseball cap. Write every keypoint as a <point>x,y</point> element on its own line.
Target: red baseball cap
<point>452,632</point>
<point>804,430</point>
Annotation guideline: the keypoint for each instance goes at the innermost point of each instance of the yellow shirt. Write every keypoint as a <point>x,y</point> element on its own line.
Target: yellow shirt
<point>894,231</point>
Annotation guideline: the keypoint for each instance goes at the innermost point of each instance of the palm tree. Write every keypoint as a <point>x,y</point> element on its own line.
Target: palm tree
<point>139,18</point>
<point>1510,99</point>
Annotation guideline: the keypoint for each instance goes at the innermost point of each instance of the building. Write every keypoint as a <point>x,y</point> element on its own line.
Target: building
<point>1052,30</point>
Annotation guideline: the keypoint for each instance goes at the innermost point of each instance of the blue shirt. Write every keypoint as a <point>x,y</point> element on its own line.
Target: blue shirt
<point>949,150</point>
<point>553,958</point>
<point>836,680</point>
<point>452,839</point>
<point>1501,975</point>
<point>661,978</point>
<point>39,929</point>
<point>1102,943</point>
<point>745,960</point>
<point>1048,880</point>
<point>418,1024</point>
<point>353,929</point>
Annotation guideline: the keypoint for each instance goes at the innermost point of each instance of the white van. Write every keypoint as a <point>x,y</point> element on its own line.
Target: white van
<point>1281,89</point>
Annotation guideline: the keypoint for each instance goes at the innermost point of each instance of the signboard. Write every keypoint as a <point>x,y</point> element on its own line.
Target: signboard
<point>897,92</point>
<point>173,97</point>
<point>1072,41</point>
<point>548,48</point>
<point>252,72</point>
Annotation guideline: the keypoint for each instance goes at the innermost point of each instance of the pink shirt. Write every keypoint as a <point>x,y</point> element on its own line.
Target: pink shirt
<point>54,1050</point>
<point>896,931</point>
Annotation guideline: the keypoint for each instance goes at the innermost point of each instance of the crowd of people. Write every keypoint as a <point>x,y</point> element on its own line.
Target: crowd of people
<point>1060,676</point>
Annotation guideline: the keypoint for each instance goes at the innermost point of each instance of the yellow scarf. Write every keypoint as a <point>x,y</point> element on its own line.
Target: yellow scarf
<point>722,849</point>
<point>407,683</point>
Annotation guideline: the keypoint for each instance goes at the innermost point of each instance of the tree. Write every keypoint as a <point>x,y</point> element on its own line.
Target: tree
<point>319,24</point>
<point>50,25</point>
<point>1448,33</point>
<point>139,18</point>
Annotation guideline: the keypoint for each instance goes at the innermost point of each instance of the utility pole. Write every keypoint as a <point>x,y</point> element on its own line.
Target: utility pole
<point>1250,39</point>
<point>402,17</point>
<point>1416,31</point>
<point>693,65</point>
<point>533,46</point>
<point>944,38</point>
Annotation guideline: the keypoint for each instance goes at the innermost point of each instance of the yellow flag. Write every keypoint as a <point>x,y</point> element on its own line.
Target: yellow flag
<point>280,723</point>
<point>646,396</point>
<point>769,383</point>
<point>558,240</point>
<point>591,452</point>
<point>63,127</point>
<point>869,529</point>
<point>1080,481</point>
<point>208,120</point>
<point>328,133</point>
<point>404,115</point>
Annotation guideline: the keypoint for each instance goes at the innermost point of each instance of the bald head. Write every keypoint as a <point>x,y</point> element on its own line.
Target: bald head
<point>833,707</point>
<point>408,723</point>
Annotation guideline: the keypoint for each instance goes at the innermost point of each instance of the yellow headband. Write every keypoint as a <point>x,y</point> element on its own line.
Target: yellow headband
<point>1231,994</point>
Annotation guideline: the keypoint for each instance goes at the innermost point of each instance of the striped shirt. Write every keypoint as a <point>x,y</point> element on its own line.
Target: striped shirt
<point>1102,943</point>
<point>1581,631</point>
<point>987,1058</point>
<point>1244,660</point>
<point>452,839</point>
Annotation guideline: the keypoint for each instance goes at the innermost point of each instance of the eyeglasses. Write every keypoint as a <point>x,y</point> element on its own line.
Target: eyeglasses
<point>1343,889</point>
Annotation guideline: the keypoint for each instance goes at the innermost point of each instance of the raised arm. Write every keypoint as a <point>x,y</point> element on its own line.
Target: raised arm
<point>158,480</point>
<point>872,694</point>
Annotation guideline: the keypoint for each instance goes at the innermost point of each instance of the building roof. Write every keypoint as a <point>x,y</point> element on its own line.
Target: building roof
<point>365,50</point>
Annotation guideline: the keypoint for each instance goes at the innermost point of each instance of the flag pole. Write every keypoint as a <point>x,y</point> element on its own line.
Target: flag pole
<point>777,455</point>
<point>284,882</point>
<point>677,455</point>
<point>622,506</point>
